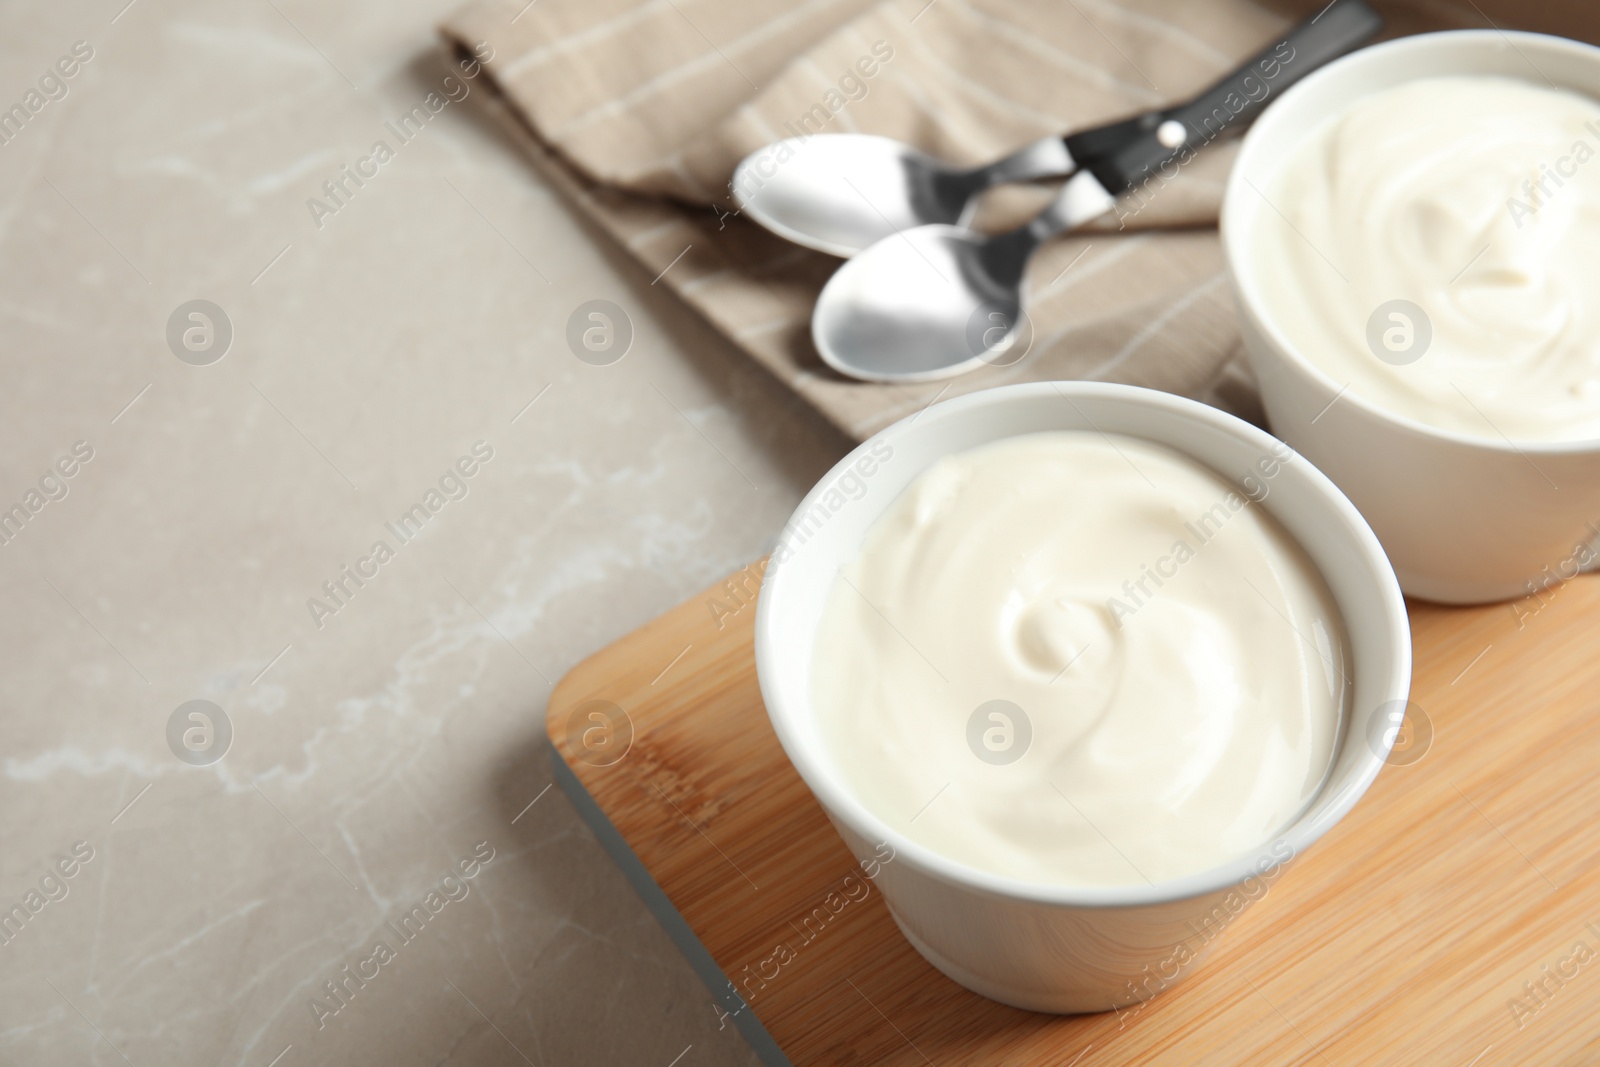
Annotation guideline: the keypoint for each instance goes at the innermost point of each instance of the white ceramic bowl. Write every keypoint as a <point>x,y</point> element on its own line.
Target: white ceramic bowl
<point>1071,949</point>
<point>1464,520</point>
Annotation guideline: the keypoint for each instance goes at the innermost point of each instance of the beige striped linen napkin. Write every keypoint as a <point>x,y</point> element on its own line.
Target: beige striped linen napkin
<point>640,110</point>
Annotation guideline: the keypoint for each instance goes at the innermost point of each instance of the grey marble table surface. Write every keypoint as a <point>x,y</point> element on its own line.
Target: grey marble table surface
<point>302,511</point>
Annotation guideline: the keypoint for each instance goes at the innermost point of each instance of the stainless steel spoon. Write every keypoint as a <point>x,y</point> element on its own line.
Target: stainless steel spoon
<point>842,193</point>
<point>933,301</point>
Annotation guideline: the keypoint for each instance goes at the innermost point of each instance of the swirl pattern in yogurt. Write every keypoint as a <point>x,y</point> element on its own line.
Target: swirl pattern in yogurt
<point>1081,659</point>
<point>1435,248</point>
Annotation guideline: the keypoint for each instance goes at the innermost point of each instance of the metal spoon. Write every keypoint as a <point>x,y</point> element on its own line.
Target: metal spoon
<point>933,301</point>
<point>936,301</point>
<point>842,193</point>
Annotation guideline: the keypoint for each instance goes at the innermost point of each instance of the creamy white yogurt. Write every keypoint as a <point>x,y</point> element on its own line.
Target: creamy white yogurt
<point>1170,662</point>
<point>1475,199</point>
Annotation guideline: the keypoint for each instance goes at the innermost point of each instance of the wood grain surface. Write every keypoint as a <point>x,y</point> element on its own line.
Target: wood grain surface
<point>1452,918</point>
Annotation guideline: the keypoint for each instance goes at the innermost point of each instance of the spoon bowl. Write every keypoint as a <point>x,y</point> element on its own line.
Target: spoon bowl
<point>841,193</point>
<point>937,301</point>
<point>924,305</point>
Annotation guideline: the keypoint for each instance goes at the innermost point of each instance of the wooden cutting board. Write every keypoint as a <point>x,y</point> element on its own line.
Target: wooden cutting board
<point>1453,918</point>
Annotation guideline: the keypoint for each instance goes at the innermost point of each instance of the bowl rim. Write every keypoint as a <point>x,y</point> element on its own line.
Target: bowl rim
<point>1320,814</point>
<point>1237,257</point>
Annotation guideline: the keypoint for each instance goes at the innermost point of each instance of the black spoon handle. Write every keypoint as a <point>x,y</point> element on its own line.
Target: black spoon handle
<point>1124,154</point>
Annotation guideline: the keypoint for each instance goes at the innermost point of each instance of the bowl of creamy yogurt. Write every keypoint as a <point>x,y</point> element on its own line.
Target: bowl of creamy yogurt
<point>1411,234</point>
<point>1093,664</point>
